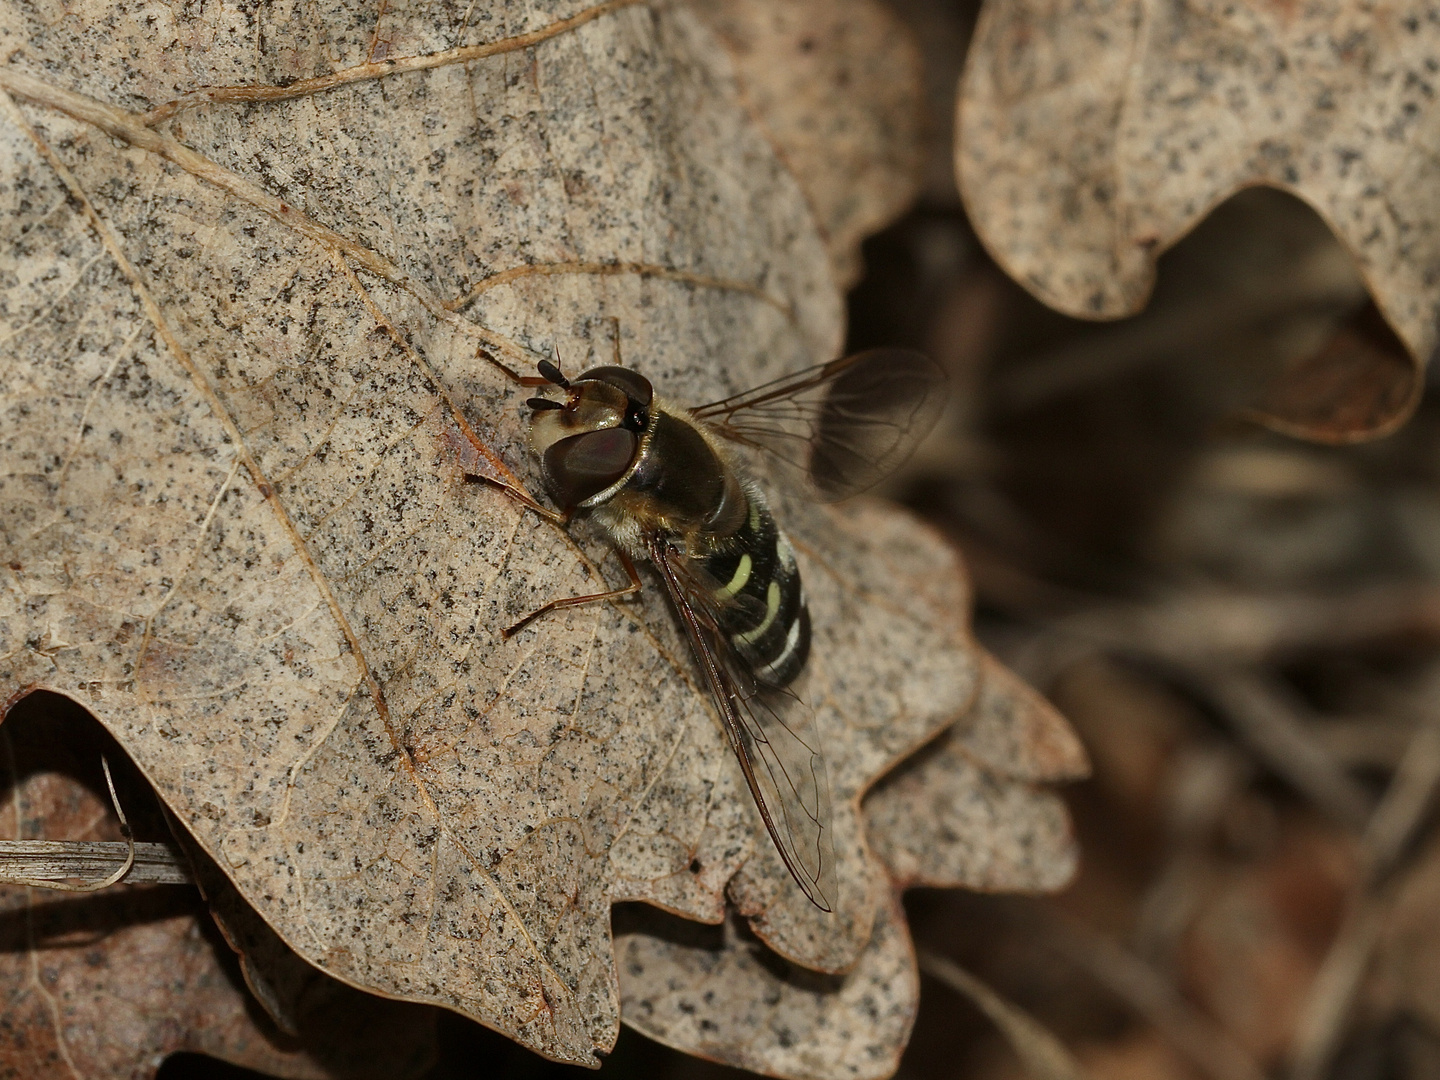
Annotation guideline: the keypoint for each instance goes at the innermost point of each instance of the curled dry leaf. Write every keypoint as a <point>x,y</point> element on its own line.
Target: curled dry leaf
<point>838,87</point>
<point>109,983</point>
<point>245,290</point>
<point>1093,136</point>
<point>967,812</point>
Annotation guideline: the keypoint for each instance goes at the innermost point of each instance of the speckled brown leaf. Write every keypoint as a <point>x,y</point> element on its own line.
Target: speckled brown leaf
<point>963,811</point>
<point>242,392</point>
<point>105,985</point>
<point>837,86</point>
<point>1093,135</point>
<point>718,993</point>
<point>968,811</point>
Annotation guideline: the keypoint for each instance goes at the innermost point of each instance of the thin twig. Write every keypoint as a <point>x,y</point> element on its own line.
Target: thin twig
<point>1201,1040</point>
<point>1274,726</point>
<point>1043,1056</point>
<point>1391,829</point>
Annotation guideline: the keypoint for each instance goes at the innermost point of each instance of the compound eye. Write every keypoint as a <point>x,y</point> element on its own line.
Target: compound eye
<point>635,386</point>
<point>586,464</point>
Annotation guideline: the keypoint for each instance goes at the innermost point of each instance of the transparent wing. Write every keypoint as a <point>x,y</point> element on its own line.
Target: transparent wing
<point>771,731</point>
<point>844,425</point>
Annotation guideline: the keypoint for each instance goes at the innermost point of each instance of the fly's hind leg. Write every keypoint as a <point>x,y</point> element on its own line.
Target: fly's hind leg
<point>577,601</point>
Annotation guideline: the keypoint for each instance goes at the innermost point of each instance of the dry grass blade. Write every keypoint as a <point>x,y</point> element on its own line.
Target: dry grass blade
<point>1323,1017</point>
<point>1218,624</point>
<point>1411,792</point>
<point>1151,995</point>
<point>1043,1056</point>
<point>46,864</point>
<point>1273,726</point>
<point>1390,831</point>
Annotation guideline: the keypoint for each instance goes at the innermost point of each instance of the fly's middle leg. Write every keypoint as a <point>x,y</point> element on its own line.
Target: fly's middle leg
<point>577,601</point>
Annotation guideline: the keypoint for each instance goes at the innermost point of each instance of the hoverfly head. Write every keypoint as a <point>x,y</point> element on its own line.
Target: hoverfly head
<point>588,442</point>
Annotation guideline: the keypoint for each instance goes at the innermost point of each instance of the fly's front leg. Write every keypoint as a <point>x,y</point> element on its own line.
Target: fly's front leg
<point>619,361</point>
<point>509,372</point>
<point>479,464</point>
<point>561,518</point>
<point>577,601</point>
<point>555,517</point>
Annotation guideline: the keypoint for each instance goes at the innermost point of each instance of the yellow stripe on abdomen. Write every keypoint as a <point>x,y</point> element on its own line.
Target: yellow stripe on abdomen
<point>739,579</point>
<point>772,609</point>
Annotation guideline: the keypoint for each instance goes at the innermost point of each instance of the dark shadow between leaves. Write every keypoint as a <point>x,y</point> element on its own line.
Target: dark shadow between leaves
<point>637,918</point>
<point>49,733</point>
<point>81,921</point>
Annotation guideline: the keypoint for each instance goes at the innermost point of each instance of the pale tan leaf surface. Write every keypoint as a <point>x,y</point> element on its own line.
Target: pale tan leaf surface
<point>359,1034</point>
<point>1092,136</point>
<point>839,89</point>
<point>1015,732</point>
<point>108,984</point>
<point>718,993</point>
<point>967,811</point>
<point>241,366</point>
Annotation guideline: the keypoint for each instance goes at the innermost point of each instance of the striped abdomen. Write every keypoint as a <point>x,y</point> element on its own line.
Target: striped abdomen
<point>762,604</point>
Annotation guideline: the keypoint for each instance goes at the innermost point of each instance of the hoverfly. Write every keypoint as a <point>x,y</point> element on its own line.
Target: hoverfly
<point>661,482</point>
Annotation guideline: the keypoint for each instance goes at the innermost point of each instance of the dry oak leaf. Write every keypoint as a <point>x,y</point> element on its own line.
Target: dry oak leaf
<point>964,811</point>
<point>969,810</point>
<point>355,1035</point>
<point>248,262</point>
<point>110,983</point>
<point>718,993</point>
<point>1092,136</point>
<point>838,87</point>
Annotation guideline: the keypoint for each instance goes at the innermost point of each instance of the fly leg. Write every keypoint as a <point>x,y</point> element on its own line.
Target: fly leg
<point>509,372</point>
<point>619,362</point>
<point>555,517</point>
<point>476,462</point>
<point>577,601</point>
<point>550,375</point>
